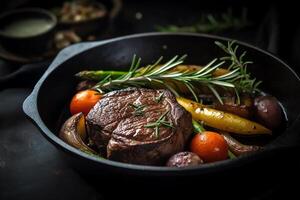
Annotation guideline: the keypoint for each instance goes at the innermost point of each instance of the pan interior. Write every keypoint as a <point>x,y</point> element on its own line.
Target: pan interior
<point>58,88</point>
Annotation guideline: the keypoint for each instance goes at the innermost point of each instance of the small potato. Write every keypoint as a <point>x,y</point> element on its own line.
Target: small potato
<point>184,159</point>
<point>240,110</point>
<point>245,109</point>
<point>73,132</point>
<point>268,111</point>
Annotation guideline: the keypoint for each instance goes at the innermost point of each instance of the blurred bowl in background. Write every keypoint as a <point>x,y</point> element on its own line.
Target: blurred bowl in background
<point>83,17</point>
<point>27,31</point>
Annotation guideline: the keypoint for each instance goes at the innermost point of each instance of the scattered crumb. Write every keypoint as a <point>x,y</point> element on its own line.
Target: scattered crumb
<point>91,37</point>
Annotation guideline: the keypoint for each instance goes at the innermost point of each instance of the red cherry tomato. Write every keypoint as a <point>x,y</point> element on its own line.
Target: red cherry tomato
<point>209,146</point>
<point>84,101</point>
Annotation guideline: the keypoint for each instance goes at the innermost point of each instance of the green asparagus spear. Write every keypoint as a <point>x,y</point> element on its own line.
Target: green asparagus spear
<point>99,74</point>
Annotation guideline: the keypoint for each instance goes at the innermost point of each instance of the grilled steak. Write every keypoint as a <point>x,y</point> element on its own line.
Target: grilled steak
<point>139,126</point>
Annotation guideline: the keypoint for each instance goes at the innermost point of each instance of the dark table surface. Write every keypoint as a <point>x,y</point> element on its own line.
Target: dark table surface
<point>32,168</point>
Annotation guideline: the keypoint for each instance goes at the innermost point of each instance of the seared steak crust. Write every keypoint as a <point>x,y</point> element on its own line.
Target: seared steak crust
<point>117,122</point>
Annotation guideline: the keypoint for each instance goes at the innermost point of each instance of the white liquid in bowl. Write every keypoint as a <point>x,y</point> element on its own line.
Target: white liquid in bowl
<point>27,27</point>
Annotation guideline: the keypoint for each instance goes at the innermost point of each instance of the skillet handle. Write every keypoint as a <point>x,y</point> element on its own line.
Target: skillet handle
<point>30,106</point>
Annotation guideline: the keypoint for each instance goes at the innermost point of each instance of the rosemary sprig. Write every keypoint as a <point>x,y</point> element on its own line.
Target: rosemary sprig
<point>160,122</point>
<point>138,109</point>
<point>161,75</point>
<point>159,97</point>
<point>158,75</point>
<point>244,82</point>
<point>209,23</point>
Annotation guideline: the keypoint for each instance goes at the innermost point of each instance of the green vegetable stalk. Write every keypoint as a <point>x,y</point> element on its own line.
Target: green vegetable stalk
<point>99,75</point>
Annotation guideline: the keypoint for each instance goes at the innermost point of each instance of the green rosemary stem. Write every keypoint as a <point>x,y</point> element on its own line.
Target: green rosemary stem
<point>158,75</point>
<point>160,122</point>
<point>197,127</point>
<point>210,23</point>
<point>231,155</point>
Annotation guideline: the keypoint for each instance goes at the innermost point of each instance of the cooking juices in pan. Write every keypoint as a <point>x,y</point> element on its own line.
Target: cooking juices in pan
<point>172,113</point>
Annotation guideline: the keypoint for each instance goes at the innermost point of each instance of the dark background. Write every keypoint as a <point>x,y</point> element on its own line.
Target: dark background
<point>31,168</point>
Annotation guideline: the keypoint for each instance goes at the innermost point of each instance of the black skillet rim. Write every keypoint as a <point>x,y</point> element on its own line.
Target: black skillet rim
<point>33,114</point>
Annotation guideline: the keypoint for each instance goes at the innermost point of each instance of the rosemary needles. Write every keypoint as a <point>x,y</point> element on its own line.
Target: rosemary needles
<point>244,83</point>
<point>138,109</point>
<point>209,23</point>
<point>160,122</point>
<point>159,97</point>
<point>166,75</point>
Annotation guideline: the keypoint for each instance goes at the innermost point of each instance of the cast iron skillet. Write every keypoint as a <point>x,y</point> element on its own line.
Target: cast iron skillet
<point>54,90</point>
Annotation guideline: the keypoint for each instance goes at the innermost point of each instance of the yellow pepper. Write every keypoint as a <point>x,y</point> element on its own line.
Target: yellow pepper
<point>222,120</point>
<point>182,68</point>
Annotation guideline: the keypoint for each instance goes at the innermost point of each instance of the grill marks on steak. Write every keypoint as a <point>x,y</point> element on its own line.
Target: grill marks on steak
<point>116,129</point>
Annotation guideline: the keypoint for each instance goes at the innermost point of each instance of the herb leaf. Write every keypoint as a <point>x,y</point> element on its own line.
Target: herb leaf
<point>243,82</point>
<point>159,98</point>
<point>237,79</point>
<point>209,23</point>
<point>160,122</point>
<point>138,109</point>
